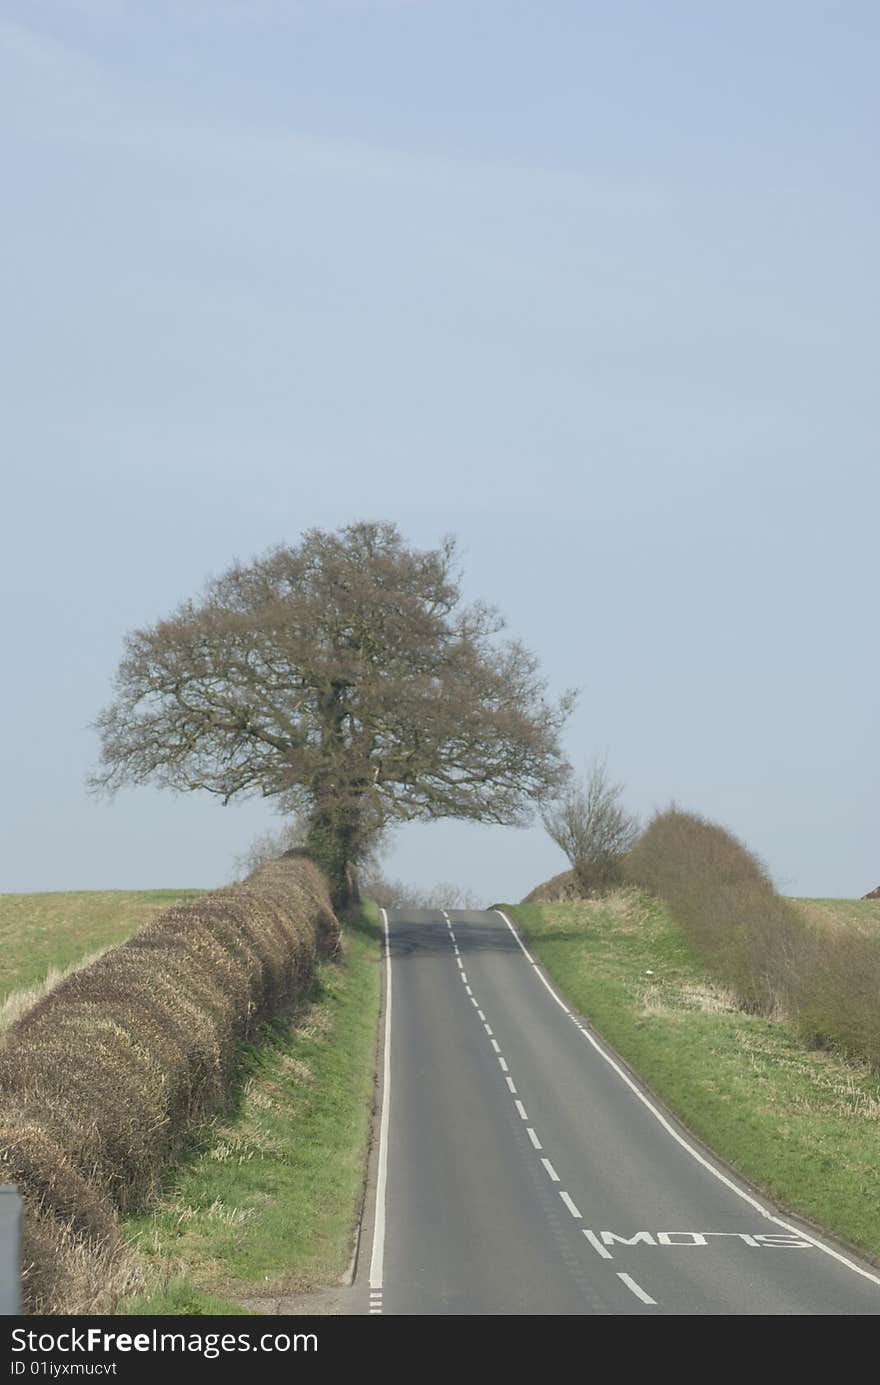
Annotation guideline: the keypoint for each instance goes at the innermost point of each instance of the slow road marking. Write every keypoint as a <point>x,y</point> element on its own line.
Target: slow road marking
<point>680,1139</point>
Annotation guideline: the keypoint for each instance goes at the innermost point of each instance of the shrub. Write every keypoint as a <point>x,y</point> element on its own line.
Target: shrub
<point>102,1079</point>
<point>827,983</point>
<point>269,846</point>
<point>835,993</point>
<point>558,887</point>
<point>721,894</point>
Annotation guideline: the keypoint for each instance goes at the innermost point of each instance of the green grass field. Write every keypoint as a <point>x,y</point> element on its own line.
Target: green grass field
<point>266,1205</point>
<point>39,931</point>
<point>801,1124</point>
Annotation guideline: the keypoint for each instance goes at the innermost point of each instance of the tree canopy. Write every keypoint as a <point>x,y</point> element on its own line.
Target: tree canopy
<point>345,678</point>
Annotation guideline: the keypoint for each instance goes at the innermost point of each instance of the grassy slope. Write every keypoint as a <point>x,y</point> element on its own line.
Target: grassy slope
<point>267,1203</point>
<point>39,931</point>
<point>861,914</point>
<point>801,1124</point>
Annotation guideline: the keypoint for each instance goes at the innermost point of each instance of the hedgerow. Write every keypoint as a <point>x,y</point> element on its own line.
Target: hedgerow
<point>101,1081</point>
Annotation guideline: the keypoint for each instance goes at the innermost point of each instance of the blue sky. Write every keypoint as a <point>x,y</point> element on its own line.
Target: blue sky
<point>592,286</point>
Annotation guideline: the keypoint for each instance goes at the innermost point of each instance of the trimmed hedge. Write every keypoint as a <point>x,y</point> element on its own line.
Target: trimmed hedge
<point>102,1079</point>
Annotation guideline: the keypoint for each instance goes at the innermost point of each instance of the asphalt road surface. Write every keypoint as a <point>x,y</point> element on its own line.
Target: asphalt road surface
<point>520,1169</point>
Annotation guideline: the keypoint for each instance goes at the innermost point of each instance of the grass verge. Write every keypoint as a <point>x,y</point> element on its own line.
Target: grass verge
<point>801,1124</point>
<point>266,1203</point>
<point>43,931</point>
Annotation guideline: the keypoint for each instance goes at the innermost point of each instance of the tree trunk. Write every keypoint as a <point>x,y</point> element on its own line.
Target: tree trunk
<point>333,841</point>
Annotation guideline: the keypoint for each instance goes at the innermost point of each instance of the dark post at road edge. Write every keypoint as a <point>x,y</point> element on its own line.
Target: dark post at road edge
<point>10,1250</point>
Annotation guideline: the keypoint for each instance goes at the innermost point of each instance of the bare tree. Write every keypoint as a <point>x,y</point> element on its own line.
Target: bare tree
<point>593,829</point>
<point>344,678</point>
<point>397,894</point>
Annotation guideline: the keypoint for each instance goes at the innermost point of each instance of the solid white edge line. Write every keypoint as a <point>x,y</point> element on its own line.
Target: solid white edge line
<point>679,1139</point>
<point>377,1259</point>
<point>635,1288</point>
<point>598,1246</point>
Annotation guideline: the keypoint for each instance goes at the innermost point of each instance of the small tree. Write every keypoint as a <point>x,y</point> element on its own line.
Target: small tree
<point>593,829</point>
<point>270,845</point>
<point>293,835</point>
<point>344,678</point>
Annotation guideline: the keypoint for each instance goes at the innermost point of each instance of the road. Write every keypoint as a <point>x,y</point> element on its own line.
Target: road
<point>519,1169</point>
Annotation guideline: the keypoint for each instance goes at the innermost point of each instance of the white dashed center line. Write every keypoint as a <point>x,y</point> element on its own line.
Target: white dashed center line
<point>598,1246</point>
<point>636,1288</point>
<point>530,1130</point>
<point>570,1205</point>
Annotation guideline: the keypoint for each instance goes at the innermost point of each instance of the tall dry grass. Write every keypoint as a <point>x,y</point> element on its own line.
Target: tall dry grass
<point>757,943</point>
<point>103,1077</point>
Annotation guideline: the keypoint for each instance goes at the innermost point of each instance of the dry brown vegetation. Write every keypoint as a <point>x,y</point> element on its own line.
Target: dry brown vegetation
<point>558,887</point>
<point>772,956</point>
<point>102,1078</point>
